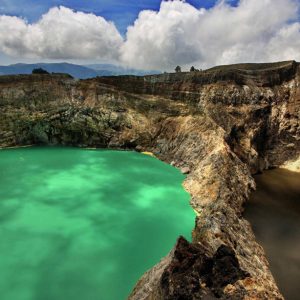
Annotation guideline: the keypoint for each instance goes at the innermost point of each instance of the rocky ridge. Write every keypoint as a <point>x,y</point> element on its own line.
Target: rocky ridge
<point>220,126</point>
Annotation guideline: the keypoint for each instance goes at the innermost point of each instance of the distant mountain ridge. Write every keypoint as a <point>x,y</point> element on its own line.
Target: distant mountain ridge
<point>118,70</point>
<point>77,71</point>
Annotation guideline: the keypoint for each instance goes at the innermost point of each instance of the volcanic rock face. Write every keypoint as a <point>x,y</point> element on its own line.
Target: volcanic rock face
<point>221,126</point>
<point>193,275</point>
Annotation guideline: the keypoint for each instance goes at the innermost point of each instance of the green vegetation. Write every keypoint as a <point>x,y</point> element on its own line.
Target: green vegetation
<point>178,69</point>
<point>39,71</point>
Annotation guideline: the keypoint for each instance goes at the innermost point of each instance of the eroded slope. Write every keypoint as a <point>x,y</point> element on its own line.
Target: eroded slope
<point>221,126</point>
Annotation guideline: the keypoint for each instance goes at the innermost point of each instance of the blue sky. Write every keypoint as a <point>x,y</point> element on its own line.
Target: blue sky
<point>121,12</point>
<point>176,32</point>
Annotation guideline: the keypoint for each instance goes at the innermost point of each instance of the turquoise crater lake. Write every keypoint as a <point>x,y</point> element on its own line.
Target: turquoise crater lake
<point>85,224</point>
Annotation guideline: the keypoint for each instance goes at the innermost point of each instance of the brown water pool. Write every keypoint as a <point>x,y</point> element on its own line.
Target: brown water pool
<point>274,213</point>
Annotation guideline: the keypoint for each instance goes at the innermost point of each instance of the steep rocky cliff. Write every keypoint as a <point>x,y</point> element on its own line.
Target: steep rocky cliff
<point>221,126</point>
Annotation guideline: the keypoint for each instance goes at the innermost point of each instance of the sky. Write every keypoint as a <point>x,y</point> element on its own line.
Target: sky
<point>149,34</point>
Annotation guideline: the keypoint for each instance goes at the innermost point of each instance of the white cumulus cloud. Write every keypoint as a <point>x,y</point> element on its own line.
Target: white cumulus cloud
<point>60,34</point>
<point>165,38</point>
<point>179,33</point>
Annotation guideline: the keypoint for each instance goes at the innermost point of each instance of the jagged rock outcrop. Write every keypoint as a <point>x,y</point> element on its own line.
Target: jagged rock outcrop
<point>222,125</point>
<point>192,274</point>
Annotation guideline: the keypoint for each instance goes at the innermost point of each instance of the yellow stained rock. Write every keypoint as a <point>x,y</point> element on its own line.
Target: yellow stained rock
<point>148,153</point>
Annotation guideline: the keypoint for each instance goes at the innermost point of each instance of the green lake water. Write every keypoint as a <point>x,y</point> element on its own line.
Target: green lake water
<point>85,224</point>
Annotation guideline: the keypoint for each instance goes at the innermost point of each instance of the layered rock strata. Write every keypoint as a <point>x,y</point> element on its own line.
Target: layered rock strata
<point>220,126</point>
